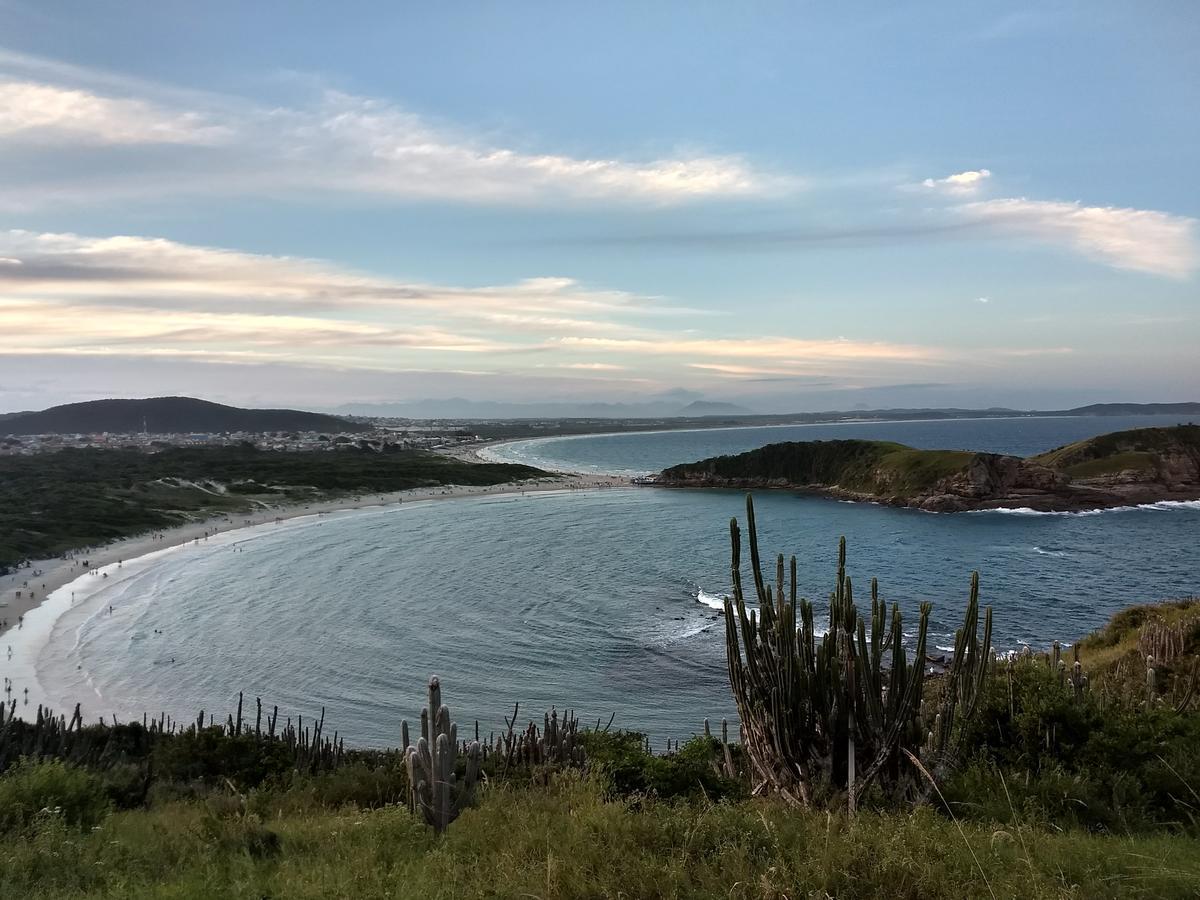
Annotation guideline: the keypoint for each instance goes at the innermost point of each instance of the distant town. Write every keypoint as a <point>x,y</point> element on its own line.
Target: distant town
<point>380,438</point>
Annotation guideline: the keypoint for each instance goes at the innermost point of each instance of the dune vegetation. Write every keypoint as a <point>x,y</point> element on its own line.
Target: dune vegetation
<point>54,502</point>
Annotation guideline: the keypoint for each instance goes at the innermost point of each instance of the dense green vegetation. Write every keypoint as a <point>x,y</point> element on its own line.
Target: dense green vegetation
<point>55,502</point>
<point>868,467</point>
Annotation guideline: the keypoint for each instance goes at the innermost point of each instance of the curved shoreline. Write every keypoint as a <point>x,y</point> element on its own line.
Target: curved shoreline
<point>65,585</point>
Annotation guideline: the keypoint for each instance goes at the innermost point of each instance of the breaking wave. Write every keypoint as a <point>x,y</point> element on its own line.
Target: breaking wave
<point>1160,506</point>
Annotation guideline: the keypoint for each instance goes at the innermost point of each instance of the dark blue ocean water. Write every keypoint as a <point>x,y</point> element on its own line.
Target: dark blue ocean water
<point>602,601</point>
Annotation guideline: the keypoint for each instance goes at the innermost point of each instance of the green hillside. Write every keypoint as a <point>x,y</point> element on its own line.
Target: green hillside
<point>1137,449</point>
<point>869,467</point>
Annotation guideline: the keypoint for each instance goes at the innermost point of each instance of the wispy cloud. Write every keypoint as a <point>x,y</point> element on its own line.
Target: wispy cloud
<point>1141,240</point>
<point>336,142</point>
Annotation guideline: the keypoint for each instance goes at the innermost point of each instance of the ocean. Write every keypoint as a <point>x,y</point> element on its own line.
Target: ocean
<point>605,602</point>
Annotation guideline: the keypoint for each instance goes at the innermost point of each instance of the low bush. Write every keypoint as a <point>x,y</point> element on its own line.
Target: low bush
<point>53,789</point>
<point>628,768</point>
<point>1039,750</point>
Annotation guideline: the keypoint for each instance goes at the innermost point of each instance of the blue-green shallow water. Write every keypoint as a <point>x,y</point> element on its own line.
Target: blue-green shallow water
<point>594,600</point>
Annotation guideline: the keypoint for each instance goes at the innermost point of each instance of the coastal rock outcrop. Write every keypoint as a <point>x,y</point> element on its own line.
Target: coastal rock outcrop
<point>1120,469</point>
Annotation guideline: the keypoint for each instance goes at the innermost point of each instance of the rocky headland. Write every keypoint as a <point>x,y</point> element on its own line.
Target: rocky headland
<point>1125,468</point>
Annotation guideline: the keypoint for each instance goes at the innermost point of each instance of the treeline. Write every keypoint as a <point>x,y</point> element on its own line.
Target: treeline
<point>54,502</point>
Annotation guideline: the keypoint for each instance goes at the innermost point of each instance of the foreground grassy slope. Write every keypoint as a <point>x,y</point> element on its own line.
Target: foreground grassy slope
<point>569,839</point>
<point>76,498</point>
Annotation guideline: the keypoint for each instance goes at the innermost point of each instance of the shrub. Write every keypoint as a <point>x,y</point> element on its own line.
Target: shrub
<point>52,788</point>
<point>1038,750</point>
<point>622,759</point>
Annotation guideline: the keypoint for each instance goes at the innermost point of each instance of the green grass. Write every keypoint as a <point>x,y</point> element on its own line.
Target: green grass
<point>910,471</point>
<point>1128,461</point>
<point>569,839</point>
<point>1117,642</point>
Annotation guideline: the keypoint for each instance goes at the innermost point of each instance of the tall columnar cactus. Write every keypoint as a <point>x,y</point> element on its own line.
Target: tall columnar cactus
<point>434,788</point>
<point>835,710</point>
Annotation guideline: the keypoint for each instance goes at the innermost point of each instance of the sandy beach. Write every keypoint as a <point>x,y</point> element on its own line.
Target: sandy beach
<point>27,588</point>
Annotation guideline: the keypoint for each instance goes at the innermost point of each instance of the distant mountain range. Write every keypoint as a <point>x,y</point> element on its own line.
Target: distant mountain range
<point>167,415</point>
<point>670,405</point>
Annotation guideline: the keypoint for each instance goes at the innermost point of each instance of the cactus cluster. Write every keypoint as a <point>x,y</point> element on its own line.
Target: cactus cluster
<point>1166,641</point>
<point>434,787</point>
<point>558,742</point>
<point>841,710</point>
<point>51,736</point>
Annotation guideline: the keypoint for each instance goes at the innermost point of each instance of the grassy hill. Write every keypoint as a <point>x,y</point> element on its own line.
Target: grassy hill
<point>167,415</point>
<point>1139,449</point>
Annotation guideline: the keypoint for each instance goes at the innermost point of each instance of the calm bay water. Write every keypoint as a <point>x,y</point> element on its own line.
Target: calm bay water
<point>602,601</point>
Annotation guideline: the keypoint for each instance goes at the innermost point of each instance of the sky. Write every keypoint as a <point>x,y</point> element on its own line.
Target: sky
<point>790,206</point>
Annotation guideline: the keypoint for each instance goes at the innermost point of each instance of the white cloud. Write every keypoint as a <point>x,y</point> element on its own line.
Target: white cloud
<point>962,183</point>
<point>396,151</point>
<point>50,114</point>
<point>339,142</point>
<point>1141,240</point>
<point>982,300</point>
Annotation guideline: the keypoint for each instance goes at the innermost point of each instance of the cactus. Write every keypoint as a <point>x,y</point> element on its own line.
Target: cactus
<point>834,711</point>
<point>434,788</point>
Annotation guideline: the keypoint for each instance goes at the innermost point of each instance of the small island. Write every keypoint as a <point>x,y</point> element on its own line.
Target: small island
<point>1124,468</point>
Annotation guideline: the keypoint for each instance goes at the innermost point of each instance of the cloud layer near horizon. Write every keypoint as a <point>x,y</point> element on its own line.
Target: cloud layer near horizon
<point>124,296</point>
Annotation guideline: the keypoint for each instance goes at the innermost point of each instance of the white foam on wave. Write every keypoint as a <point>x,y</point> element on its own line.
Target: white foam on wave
<point>1160,506</point>
<point>713,601</point>
<point>1043,552</point>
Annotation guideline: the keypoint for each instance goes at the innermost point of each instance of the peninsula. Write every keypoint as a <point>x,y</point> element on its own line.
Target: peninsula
<point>1124,468</point>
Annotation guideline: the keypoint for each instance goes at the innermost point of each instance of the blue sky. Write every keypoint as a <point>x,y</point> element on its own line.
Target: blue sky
<point>791,206</point>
